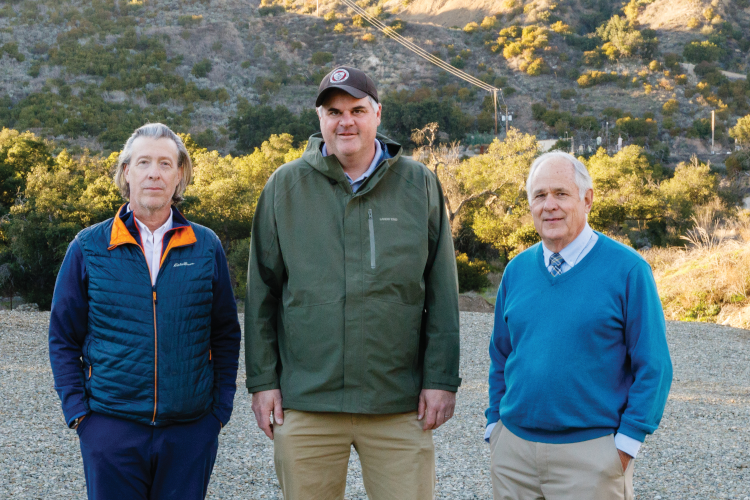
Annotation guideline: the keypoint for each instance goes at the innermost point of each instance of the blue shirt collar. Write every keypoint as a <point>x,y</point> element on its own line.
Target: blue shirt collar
<point>572,252</point>
<point>374,165</point>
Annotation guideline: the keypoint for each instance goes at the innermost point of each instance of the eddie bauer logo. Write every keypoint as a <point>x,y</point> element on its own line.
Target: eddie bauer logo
<point>181,264</point>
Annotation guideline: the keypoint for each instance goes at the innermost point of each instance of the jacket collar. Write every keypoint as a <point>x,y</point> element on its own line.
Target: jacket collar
<point>331,168</point>
<point>125,230</point>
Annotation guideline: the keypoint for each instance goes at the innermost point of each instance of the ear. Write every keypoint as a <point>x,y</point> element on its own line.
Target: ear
<point>125,172</point>
<point>378,114</point>
<point>588,198</point>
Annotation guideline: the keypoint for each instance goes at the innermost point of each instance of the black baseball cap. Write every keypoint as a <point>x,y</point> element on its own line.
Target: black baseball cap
<point>351,80</point>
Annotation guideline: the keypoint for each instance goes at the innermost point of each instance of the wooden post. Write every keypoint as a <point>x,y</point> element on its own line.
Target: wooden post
<point>494,98</point>
<point>713,123</point>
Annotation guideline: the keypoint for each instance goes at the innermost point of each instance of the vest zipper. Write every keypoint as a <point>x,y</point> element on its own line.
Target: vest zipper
<point>156,364</point>
<point>372,238</point>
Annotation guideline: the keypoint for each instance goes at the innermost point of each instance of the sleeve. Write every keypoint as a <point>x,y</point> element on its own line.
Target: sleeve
<point>225,339</point>
<point>265,277</point>
<point>650,363</point>
<point>441,336</point>
<point>68,327</point>
<point>500,349</point>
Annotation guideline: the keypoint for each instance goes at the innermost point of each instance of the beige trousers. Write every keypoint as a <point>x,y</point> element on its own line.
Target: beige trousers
<point>311,452</point>
<point>589,470</point>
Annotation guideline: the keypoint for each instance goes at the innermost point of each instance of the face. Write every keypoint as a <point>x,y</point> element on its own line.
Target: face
<point>559,212</point>
<point>153,174</point>
<point>348,124</point>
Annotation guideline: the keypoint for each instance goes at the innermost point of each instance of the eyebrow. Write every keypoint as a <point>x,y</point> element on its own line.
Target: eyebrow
<point>355,108</point>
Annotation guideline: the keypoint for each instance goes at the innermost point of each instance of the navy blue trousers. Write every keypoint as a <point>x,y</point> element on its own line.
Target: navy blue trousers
<point>128,460</point>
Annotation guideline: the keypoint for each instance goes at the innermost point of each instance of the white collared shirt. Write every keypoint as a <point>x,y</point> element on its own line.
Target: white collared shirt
<point>355,184</point>
<point>573,254</point>
<point>575,251</point>
<point>152,243</point>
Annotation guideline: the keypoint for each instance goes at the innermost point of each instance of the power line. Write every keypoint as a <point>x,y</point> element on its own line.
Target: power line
<point>390,32</point>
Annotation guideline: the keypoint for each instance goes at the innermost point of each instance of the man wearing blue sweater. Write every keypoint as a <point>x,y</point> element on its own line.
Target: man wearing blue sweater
<point>580,369</point>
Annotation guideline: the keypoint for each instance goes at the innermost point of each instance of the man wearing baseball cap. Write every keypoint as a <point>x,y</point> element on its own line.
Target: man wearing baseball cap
<point>351,316</point>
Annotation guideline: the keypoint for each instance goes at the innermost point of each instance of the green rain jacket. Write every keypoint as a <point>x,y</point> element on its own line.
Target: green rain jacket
<point>352,298</point>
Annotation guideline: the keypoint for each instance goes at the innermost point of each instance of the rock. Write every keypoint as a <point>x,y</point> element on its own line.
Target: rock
<point>28,307</point>
<point>474,303</point>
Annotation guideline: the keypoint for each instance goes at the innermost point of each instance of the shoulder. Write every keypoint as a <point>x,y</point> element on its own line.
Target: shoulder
<point>287,175</point>
<point>415,173</point>
<point>619,253</point>
<point>95,231</point>
<point>204,234</point>
<point>524,260</point>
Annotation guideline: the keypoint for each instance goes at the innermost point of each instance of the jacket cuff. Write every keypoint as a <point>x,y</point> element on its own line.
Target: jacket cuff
<point>438,380</point>
<point>264,382</point>
<point>493,415</point>
<point>631,432</point>
<point>72,419</point>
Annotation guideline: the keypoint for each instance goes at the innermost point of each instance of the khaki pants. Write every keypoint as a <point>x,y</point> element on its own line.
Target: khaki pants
<point>311,452</point>
<point>589,470</point>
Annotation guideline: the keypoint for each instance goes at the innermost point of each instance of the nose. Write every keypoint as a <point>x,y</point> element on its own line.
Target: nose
<point>347,119</point>
<point>550,204</point>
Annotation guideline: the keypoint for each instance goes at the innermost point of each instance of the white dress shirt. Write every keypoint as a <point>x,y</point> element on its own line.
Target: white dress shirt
<point>152,243</point>
<point>573,254</point>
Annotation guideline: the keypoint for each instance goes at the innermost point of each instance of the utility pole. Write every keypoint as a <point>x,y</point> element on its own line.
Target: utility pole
<point>494,98</point>
<point>713,124</point>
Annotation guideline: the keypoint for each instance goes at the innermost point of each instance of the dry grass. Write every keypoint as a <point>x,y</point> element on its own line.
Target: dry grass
<point>710,279</point>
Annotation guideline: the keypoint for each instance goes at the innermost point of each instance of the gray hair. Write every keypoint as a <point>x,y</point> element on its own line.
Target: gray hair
<point>373,103</point>
<point>155,131</point>
<point>582,177</point>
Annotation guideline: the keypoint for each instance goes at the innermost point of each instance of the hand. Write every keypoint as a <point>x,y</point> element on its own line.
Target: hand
<point>79,420</point>
<point>625,459</point>
<point>265,404</point>
<point>435,407</point>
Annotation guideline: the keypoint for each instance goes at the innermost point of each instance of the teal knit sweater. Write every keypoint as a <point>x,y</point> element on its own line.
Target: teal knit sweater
<point>580,355</point>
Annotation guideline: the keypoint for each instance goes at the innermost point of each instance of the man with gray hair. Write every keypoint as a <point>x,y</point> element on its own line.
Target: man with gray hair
<point>580,368</point>
<point>143,337</point>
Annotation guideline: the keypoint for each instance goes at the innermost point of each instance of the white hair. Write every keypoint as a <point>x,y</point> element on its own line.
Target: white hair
<point>154,131</point>
<point>372,101</point>
<point>582,177</point>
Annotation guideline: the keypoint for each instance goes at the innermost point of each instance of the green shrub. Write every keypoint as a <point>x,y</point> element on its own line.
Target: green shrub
<point>696,52</point>
<point>670,107</point>
<point>273,10</point>
<point>189,21</point>
<point>471,27</point>
<point>672,61</point>
<point>321,58</point>
<point>202,68</point>
<point>568,93</point>
<point>592,78</point>
<point>397,25</point>
<point>254,124</point>
<point>472,275</point>
<point>11,49</point>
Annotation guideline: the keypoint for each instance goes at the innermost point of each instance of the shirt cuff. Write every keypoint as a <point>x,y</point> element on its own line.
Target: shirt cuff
<point>488,432</point>
<point>627,444</point>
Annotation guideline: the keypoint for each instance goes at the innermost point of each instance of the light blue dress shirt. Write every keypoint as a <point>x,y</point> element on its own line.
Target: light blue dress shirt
<point>573,254</point>
<point>355,184</point>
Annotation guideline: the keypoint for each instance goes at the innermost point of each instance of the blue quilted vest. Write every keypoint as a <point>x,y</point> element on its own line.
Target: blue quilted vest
<point>147,353</point>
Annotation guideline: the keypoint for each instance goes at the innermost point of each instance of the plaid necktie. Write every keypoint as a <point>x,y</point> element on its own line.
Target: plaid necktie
<point>556,261</point>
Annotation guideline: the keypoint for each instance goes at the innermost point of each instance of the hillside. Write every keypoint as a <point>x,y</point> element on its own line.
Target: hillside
<point>88,72</point>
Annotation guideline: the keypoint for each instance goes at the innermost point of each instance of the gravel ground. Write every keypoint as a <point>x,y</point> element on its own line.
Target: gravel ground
<point>701,451</point>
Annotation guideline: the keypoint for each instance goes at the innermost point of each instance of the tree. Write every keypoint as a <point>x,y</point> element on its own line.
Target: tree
<point>626,192</point>
<point>254,124</point>
<point>19,153</point>
<point>622,36</point>
<point>225,190</point>
<point>696,52</point>
<point>692,185</point>
<point>741,131</point>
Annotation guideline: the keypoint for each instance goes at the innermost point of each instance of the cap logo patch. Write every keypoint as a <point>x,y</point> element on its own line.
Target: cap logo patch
<point>340,75</point>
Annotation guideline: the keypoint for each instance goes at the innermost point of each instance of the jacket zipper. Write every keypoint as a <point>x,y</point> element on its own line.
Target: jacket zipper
<point>372,238</point>
<point>156,364</point>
